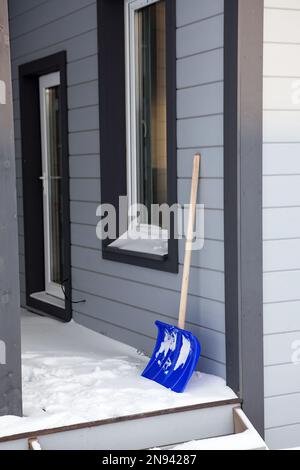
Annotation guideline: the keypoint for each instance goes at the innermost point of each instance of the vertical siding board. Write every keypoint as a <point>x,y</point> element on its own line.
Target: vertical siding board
<point>10,334</point>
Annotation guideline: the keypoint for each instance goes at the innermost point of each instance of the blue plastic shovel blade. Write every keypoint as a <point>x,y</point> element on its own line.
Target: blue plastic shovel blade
<point>174,359</point>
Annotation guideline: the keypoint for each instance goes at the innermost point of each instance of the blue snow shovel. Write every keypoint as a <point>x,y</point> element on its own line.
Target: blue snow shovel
<point>177,351</point>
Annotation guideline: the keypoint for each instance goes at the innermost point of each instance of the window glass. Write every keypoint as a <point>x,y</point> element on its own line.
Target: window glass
<point>50,91</point>
<point>151,105</point>
<point>55,196</point>
<point>147,105</point>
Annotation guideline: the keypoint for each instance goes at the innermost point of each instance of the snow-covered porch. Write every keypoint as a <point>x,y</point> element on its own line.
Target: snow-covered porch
<point>73,376</point>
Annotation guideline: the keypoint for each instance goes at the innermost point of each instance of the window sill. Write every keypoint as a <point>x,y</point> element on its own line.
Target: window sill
<point>142,260</point>
<point>49,299</point>
<point>155,252</point>
<point>136,254</point>
<point>147,242</point>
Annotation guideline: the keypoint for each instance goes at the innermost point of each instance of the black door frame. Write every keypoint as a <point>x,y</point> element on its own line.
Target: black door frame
<point>32,188</point>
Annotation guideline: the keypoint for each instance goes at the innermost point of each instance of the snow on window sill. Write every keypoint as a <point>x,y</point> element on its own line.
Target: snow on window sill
<point>48,299</point>
<point>144,240</point>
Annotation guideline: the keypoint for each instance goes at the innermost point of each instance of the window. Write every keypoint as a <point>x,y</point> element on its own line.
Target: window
<point>146,103</point>
<point>138,123</point>
<point>51,181</point>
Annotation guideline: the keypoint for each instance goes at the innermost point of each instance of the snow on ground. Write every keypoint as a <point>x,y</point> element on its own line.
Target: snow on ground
<point>72,375</point>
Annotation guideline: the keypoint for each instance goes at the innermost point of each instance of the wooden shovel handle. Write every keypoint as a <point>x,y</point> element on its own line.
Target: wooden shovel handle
<point>189,243</point>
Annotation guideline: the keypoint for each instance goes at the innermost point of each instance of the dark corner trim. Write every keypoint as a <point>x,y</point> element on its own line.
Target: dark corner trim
<point>243,105</point>
<point>111,32</point>
<point>29,74</point>
<point>231,192</point>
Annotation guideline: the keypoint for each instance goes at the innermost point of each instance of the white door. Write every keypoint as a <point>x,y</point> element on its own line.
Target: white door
<point>51,178</point>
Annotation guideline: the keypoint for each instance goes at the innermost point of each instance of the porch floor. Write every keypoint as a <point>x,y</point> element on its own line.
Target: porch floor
<point>72,375</point>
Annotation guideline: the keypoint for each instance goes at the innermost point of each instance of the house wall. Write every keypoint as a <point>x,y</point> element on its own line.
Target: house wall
<point>281,216</point>
<point>123,301</point>
<point>10,335</point>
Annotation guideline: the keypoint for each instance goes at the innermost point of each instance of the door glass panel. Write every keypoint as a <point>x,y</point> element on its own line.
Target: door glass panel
<point>54,184</point>
<point>151,105</point>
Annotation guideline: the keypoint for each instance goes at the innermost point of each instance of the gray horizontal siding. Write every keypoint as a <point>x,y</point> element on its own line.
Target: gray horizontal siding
<point>274,164</point>
<point>204,283</point>
<point>281,286</point>
<point>210,192</point>
<point>84,143</point>
<point>197,11</point>
<point>210,96</point>
<point>200,132</point>
<point>83,70</point>
<point>200,75</point>
<point>207,67</point>
<point>37,30</point>
<point>142,343</point>
<point>85,213</point>
<point>19,8</point>
<point>83,94</point>
<point>281,255</point>
<point>281,221</point>
<point>281,380</point>
<point>124,301</point>
<point>142,321</point>
<point>42,15</point>
<point>84,119</point>
<point>200,118</point>
<point>211,163</point>
<point>78,22</point>
<point>210,257</point>
<point>21,246</point>
<point>275,417</point>
<point>79,46</point>
<point>199,308</point>
<point>186,43</point>
<point>279,348</point>
<point>284,437</point>
<point>276,322</point>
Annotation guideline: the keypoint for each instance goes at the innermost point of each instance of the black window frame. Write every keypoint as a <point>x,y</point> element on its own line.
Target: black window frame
<point>112,109</point>
<point>29,74</point>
